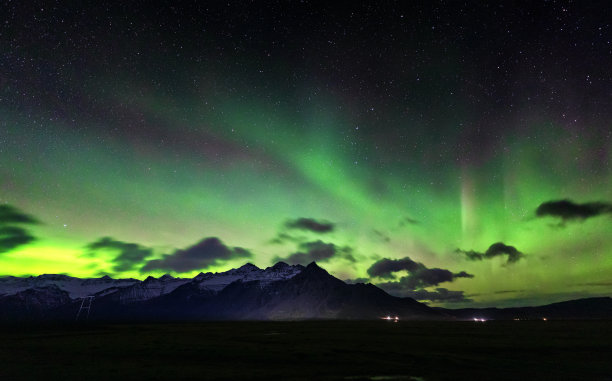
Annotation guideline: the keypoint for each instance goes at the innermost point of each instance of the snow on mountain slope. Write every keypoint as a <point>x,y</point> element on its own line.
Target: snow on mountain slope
<point>150,288</point>
<point>75,287</point>
<point>249,272</point>
<point>134,290</point>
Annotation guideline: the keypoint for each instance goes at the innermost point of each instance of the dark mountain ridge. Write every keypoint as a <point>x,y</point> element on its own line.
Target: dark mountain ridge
<point>279,292</point>
<point>588,308</point>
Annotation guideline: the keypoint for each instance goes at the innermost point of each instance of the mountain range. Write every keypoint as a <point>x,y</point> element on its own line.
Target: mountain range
<point>279,292</point>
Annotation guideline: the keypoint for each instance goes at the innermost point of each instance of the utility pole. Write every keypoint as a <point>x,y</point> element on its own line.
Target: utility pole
<point>85,305</point>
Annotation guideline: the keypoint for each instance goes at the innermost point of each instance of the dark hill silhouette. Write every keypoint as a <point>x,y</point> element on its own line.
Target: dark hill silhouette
<point>280,292</point>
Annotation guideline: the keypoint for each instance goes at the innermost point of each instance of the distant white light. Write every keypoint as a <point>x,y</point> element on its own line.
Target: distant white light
<point>389,317</point>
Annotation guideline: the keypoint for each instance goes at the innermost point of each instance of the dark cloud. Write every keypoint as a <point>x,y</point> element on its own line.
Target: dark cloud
<point>357,280</point>
<point>12,236</point>
<point>419,276</point>
<point>568,210</point>
<point>104,274</point>
<point>381,236</point>
<point>310,224</point>
<point>12,215</point>
<point>439,295</point>
<point>507,292</point>
<point>210,251</point>
<point>290,232</point>
<point>385,267</point>
<point>283,237</point>
<point>499,248</point>
<point>408,221</point>
<point>495,250</point>
<point>317,251</point>
<point>424,277</point>
<point>129,257</point>
<point>463,274</point>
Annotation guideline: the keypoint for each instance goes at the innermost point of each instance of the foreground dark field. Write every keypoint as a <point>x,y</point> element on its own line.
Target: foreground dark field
<point>379,350</point>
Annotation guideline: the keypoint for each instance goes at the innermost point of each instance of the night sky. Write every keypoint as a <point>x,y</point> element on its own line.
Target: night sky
<point>455,153</point>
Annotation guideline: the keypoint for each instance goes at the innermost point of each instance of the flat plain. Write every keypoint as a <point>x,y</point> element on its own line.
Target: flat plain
<point>309,350</point>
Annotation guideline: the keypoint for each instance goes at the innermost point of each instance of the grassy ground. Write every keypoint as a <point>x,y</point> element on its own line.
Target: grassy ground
<point>379,350</point>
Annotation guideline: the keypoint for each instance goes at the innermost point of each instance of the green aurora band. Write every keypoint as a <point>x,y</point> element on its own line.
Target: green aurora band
<point>250,168</point>
<point>165,160</point>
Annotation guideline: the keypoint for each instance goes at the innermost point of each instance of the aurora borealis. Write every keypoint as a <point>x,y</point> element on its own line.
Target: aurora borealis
<point>456,153</point>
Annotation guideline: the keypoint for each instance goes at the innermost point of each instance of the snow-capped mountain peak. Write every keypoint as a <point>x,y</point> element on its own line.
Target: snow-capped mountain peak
<point>133,290</point>
<point>76,287</point>
<point>249,272</point>
<point>150,288</point>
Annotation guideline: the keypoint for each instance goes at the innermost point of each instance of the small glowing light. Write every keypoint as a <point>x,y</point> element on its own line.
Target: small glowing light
<point>544,319</point>
<point>389,317</point>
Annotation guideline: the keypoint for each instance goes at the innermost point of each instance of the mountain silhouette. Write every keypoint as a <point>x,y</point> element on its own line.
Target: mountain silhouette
<point>279,292</point>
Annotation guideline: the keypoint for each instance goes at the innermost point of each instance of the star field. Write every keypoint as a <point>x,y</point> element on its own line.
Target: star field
<point>456,153</point>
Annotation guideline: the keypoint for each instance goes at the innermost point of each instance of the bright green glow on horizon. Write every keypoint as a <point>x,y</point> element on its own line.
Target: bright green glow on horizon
<point>238,168</point>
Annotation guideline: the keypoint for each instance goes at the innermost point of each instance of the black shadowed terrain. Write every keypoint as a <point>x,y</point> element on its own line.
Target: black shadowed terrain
<point>285,322</point>
<point>309,350</point>
<point>280,292</point>
<point>351,350</point>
